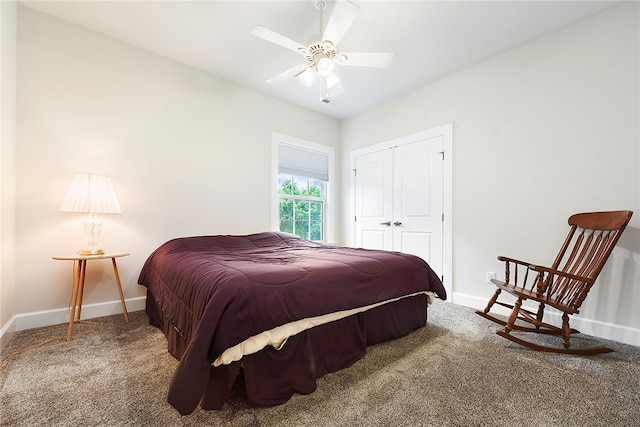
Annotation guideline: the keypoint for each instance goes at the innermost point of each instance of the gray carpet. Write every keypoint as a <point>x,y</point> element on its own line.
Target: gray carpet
<point>453,372</point>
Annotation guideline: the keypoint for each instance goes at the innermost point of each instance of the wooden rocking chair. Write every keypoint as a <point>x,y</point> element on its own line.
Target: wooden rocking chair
<point>564,285</point>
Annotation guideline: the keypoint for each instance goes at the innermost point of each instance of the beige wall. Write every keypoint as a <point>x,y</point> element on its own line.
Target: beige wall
<point>188,154</point>
<point>7,167</point>
<point>541,132</point>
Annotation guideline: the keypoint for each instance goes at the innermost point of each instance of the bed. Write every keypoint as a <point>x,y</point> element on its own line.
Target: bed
<point>282,309</point>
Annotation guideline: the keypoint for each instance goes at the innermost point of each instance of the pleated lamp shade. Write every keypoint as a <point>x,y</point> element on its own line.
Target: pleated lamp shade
<point>91,193</point>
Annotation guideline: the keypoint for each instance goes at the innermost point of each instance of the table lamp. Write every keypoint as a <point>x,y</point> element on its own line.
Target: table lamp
<point>93,194</point>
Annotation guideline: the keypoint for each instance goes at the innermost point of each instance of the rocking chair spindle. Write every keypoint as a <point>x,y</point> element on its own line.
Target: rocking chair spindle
<point>563,286</point>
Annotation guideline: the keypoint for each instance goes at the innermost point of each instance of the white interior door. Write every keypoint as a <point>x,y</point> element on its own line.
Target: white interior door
<point>374,200</point>
<point>418,200</point>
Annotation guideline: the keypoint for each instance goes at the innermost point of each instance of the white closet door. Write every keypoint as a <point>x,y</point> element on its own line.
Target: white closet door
<point>399,200</point>
<point>418,200</point>
<point>374,200</point>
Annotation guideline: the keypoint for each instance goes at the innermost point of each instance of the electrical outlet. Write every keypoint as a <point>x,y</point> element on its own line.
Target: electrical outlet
<point>490,275</point>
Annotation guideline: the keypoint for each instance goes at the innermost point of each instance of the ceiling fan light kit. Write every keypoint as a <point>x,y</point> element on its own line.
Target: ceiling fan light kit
<point>325,67</point>
<point>322,56</point>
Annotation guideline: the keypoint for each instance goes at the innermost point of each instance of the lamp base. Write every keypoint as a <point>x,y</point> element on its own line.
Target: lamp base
<point>90,252</point>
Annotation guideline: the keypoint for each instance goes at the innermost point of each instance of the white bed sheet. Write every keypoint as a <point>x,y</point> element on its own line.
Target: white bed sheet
<point>277,337</point>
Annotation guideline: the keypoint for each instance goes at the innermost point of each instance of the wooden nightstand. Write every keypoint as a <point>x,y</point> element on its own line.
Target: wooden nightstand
<point>79,269</point>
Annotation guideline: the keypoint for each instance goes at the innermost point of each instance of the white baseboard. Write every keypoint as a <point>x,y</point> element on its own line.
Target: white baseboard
<point>597,328</point>
<point>39,319</point>
<point>7,332</point>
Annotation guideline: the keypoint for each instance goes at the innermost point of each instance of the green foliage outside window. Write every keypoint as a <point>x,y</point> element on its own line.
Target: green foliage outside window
<point>301,206</point>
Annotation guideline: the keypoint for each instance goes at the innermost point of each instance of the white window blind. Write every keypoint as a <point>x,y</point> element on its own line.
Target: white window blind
<point>300,161</point>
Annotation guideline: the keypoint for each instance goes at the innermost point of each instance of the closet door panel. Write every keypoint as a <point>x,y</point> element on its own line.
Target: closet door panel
<point>417,205</point>
<point>374,200</point>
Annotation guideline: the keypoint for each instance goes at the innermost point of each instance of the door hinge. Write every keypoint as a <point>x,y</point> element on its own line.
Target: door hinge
<point>355,172</point>
<point>442,154</point>
<point>442,217</point>
<point>355,218</point>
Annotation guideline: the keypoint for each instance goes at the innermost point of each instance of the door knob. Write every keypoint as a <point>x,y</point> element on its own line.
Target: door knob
<point>397,223</point>
<point>387,223</point>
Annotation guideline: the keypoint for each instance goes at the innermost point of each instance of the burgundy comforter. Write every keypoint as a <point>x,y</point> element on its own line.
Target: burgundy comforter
<point>213,292</point>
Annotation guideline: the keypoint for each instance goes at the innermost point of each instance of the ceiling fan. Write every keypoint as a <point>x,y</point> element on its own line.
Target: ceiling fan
<point>322,56</point>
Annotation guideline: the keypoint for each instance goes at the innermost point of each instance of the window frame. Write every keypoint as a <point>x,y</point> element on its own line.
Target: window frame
<point>330,185</point>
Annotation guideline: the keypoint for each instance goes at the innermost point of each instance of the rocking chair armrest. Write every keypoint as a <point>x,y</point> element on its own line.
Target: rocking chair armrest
<point>542,269</point>
<point>515,261</point>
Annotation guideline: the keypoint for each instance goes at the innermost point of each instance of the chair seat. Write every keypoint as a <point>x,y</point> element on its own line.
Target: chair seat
<point>525,294</point>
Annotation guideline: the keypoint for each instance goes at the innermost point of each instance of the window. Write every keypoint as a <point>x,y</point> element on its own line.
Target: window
<point>301,196</point>
<point>301,203</point>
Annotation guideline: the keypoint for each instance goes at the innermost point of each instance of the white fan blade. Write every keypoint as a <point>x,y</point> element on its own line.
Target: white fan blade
<point>290,73</point>
<point>273,37</point>
<point>365,59</point>
<point>343,15</point>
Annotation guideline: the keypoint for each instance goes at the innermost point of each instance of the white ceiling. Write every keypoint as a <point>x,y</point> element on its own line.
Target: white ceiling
<point>429,39</point>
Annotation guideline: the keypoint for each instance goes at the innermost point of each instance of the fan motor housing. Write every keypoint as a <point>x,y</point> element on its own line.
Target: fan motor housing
<point>319,50</point>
